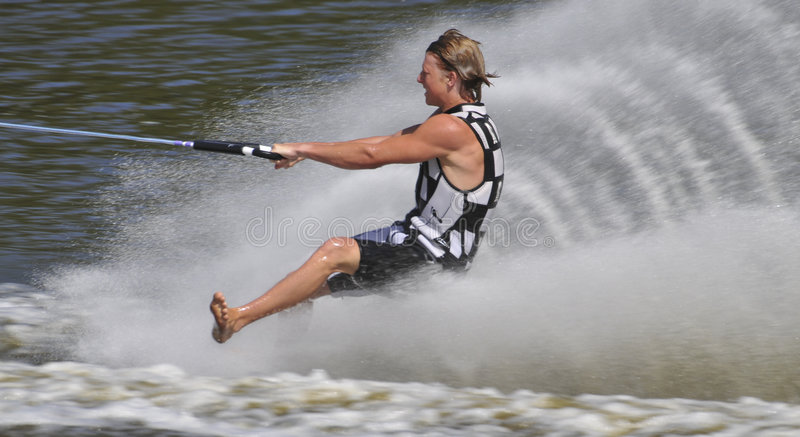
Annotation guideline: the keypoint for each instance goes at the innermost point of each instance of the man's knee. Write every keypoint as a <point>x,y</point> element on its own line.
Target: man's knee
<point>341,254</point>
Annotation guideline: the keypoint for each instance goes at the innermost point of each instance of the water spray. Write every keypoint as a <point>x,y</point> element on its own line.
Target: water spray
<point>235,148</point>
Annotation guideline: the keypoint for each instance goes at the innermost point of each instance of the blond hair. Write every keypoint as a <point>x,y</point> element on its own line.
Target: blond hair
<point>462,55</point>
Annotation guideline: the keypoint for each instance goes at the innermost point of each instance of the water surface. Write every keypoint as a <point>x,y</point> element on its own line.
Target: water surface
<point>640,278</point>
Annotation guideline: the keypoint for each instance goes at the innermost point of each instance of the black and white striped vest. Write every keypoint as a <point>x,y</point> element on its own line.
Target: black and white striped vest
<point>446,220</point>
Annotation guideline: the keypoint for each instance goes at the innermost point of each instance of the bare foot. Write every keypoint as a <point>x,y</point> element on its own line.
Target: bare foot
<point>224,328</point>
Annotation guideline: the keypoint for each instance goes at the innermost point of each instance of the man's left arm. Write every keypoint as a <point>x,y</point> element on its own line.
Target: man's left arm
<point>435,138</point>
<point>378,139</point>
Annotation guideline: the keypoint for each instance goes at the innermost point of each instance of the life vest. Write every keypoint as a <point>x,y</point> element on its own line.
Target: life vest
<point>447,220</point>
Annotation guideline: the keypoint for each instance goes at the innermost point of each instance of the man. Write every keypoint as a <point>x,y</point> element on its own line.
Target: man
<point>459,182</point>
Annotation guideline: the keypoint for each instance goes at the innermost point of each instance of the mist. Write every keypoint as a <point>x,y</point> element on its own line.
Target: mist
<point>645,244</point>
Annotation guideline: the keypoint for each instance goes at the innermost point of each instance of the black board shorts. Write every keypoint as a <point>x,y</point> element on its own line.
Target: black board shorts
<point>387,254</point>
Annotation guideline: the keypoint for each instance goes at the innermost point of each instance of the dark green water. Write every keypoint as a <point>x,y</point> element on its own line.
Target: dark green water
<point>653,144</point>
<point>156,69</point>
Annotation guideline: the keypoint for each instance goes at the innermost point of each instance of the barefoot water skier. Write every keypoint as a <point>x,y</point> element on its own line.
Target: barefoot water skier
<point>459,183</point>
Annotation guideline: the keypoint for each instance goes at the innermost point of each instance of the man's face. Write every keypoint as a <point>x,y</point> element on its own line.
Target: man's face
<point>434,79</point>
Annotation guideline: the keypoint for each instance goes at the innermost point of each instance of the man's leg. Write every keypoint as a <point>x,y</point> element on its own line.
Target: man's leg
<point>309,281</point>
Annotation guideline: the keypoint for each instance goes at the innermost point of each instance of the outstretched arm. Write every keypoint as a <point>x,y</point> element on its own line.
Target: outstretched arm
<point>378,139</point>
<point>437,137</point>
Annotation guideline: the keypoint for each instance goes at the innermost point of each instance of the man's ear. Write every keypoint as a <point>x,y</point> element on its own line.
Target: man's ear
<point>452,76</point>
